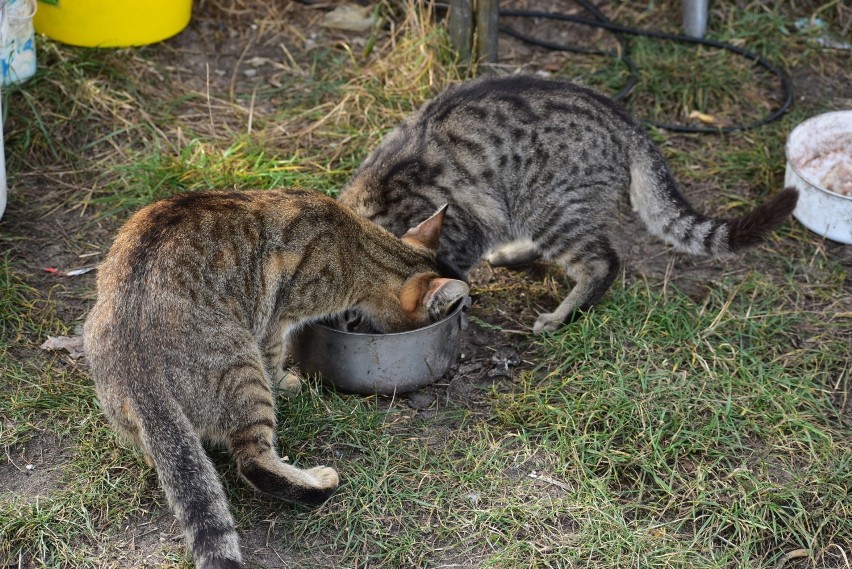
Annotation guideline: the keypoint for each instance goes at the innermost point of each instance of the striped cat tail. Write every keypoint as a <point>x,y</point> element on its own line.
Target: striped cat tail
<point>191,484</point>
<point>667,214</point>
<point>751,228</point>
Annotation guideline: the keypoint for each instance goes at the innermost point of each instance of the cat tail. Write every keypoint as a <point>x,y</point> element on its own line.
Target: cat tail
<point>667,214</point>
<point>191,484</point>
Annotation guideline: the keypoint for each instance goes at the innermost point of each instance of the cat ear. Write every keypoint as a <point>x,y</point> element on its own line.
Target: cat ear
<point>443,295</point>
<point>428,232</point>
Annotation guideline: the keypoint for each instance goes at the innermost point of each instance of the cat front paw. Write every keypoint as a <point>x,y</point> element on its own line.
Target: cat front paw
<point>288,383</point>
<point>548,322</point>
<point>325,477</point>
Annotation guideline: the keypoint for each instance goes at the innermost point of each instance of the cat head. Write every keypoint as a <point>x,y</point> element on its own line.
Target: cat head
<point>421,297</point>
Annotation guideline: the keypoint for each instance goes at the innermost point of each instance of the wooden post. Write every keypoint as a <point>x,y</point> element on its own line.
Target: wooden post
<point>461,27</point>
<point>487,12</point>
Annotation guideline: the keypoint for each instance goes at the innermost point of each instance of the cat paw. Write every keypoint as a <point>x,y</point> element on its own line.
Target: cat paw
<point>547,323</point>
<point>513,254</point>
<point>496,258</point>
<point>325,477</point>
<point>289,383</point>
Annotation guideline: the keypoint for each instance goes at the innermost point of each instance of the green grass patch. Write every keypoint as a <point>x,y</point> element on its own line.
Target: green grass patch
<point>19,307</point>
<point>49,407</point>
<point>93,486</point>
<point>199,166</point>
<point>703,422</point>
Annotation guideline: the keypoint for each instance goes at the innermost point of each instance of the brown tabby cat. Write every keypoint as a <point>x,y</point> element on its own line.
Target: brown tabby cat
<point>185,339</point>
<point>533,168</point>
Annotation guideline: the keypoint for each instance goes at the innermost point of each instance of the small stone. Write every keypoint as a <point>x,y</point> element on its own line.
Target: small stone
<point>480,339</point>
<point>420,400</point>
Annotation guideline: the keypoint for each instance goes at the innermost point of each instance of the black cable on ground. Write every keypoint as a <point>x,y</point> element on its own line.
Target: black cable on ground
<point>602,22</point>
<point>623,55</point>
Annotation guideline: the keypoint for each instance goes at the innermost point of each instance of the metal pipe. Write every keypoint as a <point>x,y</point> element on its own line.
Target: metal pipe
<point>694,17</point>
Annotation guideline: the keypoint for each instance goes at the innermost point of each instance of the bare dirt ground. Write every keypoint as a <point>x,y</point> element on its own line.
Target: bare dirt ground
<point>214,53</point>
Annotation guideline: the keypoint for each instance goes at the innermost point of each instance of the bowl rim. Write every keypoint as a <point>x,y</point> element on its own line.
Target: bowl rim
<point>464,304</point>
<point>798,172</point>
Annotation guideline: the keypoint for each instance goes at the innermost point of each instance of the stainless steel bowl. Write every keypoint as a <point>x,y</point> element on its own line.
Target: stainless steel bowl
<point>380,363</point>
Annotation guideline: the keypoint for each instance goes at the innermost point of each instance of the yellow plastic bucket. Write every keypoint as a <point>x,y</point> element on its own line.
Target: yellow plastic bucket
<point>111,23</point>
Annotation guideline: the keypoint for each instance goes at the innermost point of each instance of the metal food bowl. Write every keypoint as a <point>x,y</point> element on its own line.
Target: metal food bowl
<point>819,165</point>
<point>380,363</point>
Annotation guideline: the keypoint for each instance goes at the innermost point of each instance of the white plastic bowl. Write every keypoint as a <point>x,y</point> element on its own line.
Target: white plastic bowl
<point>815,148</point>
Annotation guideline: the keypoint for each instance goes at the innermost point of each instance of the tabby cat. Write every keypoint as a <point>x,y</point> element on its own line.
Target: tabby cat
<point>185,339</point>
<point>531,168</point>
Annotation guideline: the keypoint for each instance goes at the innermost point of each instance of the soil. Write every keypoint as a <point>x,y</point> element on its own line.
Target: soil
<point>33,470</point>
<point>52,230</point>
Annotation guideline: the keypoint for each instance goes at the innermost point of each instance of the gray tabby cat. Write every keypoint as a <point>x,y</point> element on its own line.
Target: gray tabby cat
<point>534,168</point>
<point>185,339</point>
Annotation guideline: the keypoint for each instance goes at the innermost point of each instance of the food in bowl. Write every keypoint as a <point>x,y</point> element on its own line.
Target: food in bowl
<point>838,178</point>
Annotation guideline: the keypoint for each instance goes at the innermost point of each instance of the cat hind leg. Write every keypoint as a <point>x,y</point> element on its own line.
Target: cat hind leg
<point>593,266</point>
<point>251,439</point>
<point>271,475</point>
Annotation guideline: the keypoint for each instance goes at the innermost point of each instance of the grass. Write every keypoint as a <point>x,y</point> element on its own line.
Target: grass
<point>705,419</point>
<point>45,405</point>
<point>703,426</point>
